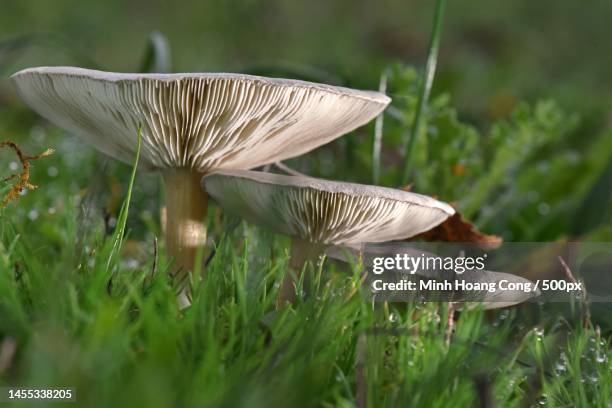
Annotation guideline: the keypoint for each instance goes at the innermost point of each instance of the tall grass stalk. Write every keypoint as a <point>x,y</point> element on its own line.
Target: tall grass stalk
<point>424,89</point>
<point>378,129</point>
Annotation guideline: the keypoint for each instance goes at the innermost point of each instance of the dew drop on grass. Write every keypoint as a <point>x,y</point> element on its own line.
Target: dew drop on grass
<point>33,215</point>
<point>543,208</point>
<point>539,332</point>
<point>573,156</point>
<point>600,358</point>
<point>542,400</point>
<point>561,365</point>
<point>435,318</point>
<point>487,211</point>
<point>52,171</point>
<point>38,134</point>
<point>130,263</point>
<point>533,196</point>
<point>503,315</point>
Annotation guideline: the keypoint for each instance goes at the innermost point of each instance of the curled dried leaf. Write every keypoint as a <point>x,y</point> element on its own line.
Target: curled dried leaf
<point>457,229</point>
<point>22,179</point>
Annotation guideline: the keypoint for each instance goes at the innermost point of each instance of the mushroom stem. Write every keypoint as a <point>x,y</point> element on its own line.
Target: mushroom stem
<point>302,252</point>
<point>186,207</point>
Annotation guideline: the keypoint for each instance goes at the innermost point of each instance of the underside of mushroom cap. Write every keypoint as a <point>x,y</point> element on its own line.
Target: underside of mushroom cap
<point>322,211</point>
<point>202,121</point>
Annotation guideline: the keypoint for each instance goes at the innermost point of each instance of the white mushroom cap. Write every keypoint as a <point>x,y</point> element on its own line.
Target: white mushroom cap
<point>322,211</point>
<point>201,121</point>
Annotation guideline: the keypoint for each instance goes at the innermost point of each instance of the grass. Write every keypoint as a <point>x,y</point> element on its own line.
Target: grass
<point>128,343</point>
<point>424,89</point>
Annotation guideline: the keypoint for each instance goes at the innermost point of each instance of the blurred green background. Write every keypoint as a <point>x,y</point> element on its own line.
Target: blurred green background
<point>491,53</point>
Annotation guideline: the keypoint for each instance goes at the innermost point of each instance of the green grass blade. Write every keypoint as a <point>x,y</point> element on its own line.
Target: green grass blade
<point>123,214</point>
<point>378,129</point>
<point>157,56</point>
<point>424,89</point>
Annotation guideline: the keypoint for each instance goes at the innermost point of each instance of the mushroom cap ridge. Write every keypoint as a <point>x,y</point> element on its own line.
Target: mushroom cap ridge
<point>323,211</point>
<point>204,121</point>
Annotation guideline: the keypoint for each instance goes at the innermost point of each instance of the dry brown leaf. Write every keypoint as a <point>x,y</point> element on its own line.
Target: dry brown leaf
<point>457,229</point>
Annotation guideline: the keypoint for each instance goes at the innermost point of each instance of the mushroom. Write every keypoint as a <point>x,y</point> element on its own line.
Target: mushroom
<point>194,124</point>
<point>319,213</point>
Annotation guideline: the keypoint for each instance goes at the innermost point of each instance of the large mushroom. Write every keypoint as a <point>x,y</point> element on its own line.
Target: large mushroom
<point>194,124</point>
<point>319,213</point>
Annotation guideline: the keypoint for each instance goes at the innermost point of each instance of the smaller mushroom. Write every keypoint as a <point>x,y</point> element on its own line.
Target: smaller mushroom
<point>319,213</point>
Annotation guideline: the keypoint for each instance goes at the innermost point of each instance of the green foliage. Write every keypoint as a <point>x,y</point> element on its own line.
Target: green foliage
<point>513,179</point>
